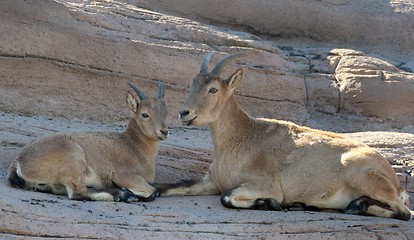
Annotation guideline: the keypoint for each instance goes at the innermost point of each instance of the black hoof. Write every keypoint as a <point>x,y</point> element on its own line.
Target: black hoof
<point>122,195</point>
<point>129,197</point>
<point>296,206</point>
<point>259,204</point>
<point>225,199</point>
<point>361,205</point>
<point>44,188</point>
<point>358,206</point>
<point>148,199</point>
<point>267,204</point>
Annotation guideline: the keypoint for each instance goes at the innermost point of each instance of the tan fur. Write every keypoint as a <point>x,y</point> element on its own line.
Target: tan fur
<point>271,159</point>
<point>71,162</point>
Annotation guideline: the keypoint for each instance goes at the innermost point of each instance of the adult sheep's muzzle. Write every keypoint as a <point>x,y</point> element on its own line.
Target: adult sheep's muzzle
<point>187,118</point>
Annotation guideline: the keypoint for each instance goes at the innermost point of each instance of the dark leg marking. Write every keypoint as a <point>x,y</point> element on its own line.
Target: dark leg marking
<point>360,206</point>
<point>259,204</point>
<point>183,183</point>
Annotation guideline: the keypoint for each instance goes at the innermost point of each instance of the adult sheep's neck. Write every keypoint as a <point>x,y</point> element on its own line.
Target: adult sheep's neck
<point>139,142</point>
<point>231,127</point>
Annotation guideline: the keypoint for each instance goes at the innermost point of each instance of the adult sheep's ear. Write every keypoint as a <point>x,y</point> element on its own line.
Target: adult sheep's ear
<point>234,80</point>
<point>132,102</point>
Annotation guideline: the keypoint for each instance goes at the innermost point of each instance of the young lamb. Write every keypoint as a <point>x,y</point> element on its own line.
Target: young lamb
<point>102,166</point>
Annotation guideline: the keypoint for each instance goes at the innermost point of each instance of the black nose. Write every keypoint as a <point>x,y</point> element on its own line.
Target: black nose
<point>165,132</point>
<point>184,113</point>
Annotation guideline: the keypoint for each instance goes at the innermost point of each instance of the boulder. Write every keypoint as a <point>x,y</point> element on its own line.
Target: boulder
<point>373,87</point>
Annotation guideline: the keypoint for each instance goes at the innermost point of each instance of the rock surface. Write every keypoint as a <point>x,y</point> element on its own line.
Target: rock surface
<point>68,68</point>
<point>185,154</point>
<point>369,25</point>
<point>373,87</point>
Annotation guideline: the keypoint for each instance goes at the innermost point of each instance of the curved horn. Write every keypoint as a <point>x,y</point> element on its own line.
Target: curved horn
<point>204,65</point>
<point>217,69</point>
<point>160,90</point>
<point>140,93</point>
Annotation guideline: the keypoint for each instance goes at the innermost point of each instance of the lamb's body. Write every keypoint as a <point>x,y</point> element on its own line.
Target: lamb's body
<point>272,164</point>
<point>119,166</point>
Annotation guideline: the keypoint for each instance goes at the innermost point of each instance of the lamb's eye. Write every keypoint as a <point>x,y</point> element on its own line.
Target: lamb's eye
<point>145,115</point>
<point>213,90</point>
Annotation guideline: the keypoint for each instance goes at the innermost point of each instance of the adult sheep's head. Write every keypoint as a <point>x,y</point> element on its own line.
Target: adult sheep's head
<point>209,93</point>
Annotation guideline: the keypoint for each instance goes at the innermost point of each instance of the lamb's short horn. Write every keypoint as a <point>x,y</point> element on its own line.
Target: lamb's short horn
<point>140,93</point>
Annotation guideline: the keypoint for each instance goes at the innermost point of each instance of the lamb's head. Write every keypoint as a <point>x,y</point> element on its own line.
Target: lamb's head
<point>209,93</point>
<point>149,112</point>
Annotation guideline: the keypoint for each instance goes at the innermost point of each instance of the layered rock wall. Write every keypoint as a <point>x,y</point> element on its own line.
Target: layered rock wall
<point>74,61</point>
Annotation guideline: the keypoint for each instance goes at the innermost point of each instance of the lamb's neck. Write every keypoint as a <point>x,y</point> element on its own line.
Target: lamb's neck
<point>139,142</point>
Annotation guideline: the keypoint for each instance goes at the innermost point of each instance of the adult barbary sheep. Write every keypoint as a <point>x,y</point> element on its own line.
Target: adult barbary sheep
<point>114,166</point>
<point>270,164</point>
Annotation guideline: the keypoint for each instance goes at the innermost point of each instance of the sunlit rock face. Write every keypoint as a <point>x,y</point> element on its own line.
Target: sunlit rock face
<point>75,60</point>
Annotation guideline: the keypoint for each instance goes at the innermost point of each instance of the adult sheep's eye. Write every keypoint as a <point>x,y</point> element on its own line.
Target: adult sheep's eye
<point>213,90</point>
<point>145,115</point>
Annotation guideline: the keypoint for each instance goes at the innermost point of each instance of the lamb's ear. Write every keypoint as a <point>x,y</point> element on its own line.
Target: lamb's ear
<point>132,102</point>
<point>234,80</point>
